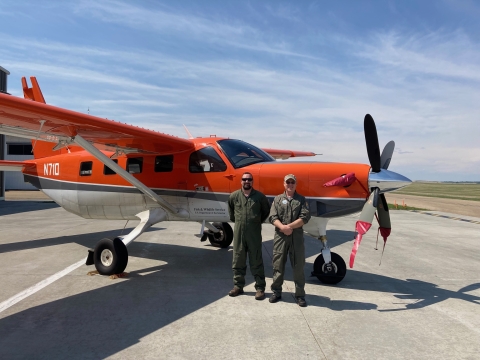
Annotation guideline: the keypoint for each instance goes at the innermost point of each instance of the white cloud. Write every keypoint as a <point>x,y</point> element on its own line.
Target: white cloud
<point>422,89</point>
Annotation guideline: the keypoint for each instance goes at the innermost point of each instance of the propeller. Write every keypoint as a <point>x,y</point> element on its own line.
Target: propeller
<point>376,202</point>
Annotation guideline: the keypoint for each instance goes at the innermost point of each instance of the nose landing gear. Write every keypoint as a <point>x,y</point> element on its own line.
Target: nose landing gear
<point>332,272</point>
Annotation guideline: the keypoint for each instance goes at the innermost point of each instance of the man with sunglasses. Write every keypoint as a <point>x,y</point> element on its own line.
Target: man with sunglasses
<point>248,209</point>
<point>289,212</point>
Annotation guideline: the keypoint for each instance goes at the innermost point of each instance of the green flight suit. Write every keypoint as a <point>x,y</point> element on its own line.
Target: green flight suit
<point>287,211</point>
<point>248,214</point>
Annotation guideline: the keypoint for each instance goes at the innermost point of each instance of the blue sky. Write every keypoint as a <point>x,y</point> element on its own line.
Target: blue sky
<point>297,75</point>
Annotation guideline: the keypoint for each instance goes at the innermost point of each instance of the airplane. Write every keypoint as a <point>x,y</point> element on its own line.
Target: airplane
<point>102,169</point>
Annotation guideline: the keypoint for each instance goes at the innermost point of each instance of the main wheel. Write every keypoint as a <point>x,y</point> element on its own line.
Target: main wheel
<point>110,256</point>
<point>224,237</point>
<point>331,273</point>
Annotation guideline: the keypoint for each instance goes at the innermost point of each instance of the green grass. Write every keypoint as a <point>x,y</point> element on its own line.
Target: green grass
<point>461,191</point>
<point>400,207</point>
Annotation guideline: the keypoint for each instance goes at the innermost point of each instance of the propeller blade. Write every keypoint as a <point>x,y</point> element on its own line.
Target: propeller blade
<point>364,223</point>
<point>371,139</point>
<point>383,214</point>
<point>385,226</point>
<point>387,153</point>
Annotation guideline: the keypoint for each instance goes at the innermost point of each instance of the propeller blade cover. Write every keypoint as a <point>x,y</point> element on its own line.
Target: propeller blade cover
<point>363,224</point>
<point>343,180</point>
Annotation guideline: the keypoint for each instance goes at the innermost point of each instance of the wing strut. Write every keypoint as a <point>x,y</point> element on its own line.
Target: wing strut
<point>128,177</point>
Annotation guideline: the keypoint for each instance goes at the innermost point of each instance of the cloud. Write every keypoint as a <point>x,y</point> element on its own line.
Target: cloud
<point>422,88</point>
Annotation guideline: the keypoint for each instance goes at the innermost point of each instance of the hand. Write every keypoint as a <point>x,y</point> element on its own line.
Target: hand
<point>287,230</point>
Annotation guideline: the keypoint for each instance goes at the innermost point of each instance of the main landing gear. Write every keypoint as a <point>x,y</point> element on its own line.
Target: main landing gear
<point>109,256</point>
<point>221,238</point>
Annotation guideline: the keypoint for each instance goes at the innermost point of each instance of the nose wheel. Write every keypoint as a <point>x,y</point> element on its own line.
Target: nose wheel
<point>332,272</point>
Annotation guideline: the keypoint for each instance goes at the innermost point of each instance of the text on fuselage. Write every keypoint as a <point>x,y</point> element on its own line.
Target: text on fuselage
<point>51,169</point>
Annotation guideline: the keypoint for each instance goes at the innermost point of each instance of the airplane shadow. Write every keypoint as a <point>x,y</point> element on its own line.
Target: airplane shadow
<point>88,240</point>
<point>15,207</point>
<point>104,321</point>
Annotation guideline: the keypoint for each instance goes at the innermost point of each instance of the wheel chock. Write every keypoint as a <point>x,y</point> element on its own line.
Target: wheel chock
<point>118,276</point>
<point>89,260</point>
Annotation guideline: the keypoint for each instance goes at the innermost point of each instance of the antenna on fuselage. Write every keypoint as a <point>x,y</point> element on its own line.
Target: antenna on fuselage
<point>188,132</point>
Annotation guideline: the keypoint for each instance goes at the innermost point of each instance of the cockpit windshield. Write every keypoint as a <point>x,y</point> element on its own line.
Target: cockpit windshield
<point>242,154</point>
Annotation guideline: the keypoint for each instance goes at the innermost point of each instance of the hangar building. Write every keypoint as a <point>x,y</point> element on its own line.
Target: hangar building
<point>12,148</point>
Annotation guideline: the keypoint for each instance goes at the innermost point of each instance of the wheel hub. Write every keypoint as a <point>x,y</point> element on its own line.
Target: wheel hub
<point>218,236</point>
<point>106,257</point>
<point>329,268</point>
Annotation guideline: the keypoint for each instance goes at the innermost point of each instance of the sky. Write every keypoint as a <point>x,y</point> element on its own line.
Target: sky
<point>297,75</point>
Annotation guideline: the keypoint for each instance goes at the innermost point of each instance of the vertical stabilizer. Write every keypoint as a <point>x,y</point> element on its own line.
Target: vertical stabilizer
<point>41,149</point>
<point>34,93</point>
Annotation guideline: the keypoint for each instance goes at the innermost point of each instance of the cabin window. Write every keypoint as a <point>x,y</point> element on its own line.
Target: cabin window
<point>243,154</point>
<point>86,168</point>
<point>107,170</point>
<point>164,163</point>
<point>206,160</point>
<point>134,165</point>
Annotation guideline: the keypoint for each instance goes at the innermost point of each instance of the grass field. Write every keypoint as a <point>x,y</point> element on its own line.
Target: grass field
<point>443,190</point>
<point>400,207</point>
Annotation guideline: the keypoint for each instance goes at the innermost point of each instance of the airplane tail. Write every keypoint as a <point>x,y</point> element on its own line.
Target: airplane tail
<point>40,148</point>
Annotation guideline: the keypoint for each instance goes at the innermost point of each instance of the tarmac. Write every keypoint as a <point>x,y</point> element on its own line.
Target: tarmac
<point>422,302</point>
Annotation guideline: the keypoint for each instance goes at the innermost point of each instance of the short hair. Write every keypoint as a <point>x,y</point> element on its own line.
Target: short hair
<point>247,173</point>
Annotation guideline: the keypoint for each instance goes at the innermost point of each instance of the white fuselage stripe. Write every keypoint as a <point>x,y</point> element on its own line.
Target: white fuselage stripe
<point>37,287</point>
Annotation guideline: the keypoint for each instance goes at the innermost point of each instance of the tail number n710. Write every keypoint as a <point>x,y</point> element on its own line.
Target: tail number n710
<point>51,169</point>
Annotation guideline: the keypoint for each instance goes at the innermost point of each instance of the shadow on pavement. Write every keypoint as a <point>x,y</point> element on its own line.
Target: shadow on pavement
<point>15,207</point>
<point>112,318</point>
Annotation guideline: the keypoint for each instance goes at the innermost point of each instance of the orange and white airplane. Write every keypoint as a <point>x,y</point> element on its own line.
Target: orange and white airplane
<point>102,169</point>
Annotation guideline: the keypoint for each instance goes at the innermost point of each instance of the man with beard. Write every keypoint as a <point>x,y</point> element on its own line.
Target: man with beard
<point>248,209</point>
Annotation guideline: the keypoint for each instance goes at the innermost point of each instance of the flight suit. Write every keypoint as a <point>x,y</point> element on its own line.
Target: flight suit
<point>287,211</point>
<point>248,214</point>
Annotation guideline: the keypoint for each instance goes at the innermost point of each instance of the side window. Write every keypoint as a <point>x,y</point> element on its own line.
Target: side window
<point>206,160</point>
<point>134,165</point>
<point>86,168</point>
<point>164,163</point>
<point>107,170</point>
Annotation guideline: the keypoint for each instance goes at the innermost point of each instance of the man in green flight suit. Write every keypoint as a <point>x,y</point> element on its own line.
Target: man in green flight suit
<point>248,209</point>
<point>289,212</point>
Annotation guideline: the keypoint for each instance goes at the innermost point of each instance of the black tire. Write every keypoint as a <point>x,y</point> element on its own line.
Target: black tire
<point>332,274</point>
<point>110,256</point>
<point>223,238</point>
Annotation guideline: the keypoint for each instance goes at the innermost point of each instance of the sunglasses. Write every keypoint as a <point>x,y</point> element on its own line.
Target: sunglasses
<point>247,179</point>
<point>290,182</point>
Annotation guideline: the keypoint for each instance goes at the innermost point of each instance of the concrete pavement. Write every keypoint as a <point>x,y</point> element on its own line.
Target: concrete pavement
<point>423,302</point>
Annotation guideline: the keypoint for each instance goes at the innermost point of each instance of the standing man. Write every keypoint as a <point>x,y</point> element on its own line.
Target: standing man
<point>288,214</point>
<point>248,209</point>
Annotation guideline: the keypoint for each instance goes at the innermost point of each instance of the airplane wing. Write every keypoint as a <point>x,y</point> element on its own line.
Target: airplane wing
<point>35,120</point>
<point>285,154</point>
<point>6,165</point>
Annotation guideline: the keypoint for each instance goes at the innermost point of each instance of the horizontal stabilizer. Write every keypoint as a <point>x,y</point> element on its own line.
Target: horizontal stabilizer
<point>6,165</point>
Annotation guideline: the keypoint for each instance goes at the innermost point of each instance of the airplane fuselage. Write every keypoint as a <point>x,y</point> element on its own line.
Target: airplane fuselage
<point>81,184</point>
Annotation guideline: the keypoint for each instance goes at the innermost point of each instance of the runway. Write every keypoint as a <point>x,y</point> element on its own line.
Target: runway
<point>423,302</point>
